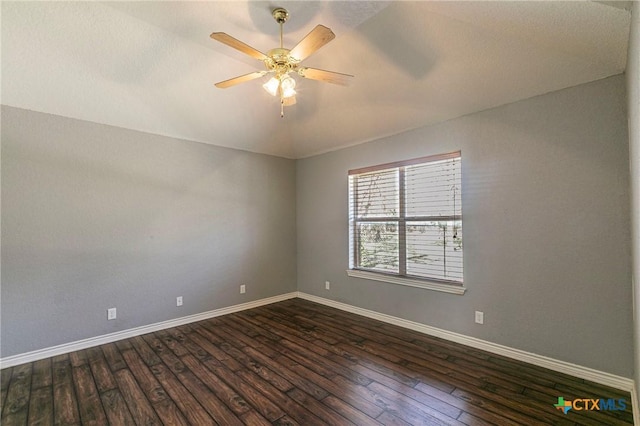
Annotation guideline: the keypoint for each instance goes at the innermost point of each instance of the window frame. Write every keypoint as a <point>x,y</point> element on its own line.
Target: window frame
<point>401,277</point>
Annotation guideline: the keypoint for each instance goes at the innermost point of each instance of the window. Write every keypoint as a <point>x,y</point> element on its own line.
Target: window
<point>406,220</point>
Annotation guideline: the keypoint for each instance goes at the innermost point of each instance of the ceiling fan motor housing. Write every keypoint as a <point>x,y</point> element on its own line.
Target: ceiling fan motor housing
<point>280,56</point>
<point>280,61</point>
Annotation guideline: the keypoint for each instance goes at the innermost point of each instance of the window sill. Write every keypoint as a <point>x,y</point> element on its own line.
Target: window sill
<point>411,282</point>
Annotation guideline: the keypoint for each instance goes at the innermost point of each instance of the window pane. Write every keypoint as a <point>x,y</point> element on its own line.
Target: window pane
<point>378,245</point>
<point>434,249</point>
<point>376,194</point>
<point>406,218</point>
<point>433,189</point>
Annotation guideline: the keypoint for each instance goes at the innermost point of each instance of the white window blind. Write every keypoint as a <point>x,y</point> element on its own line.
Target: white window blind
<point>406,218</point>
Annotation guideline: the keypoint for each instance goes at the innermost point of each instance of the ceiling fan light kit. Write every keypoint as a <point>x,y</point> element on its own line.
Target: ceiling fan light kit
<point>281,62</point>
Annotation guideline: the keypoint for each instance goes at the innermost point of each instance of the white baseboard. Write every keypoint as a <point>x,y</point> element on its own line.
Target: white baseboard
<point>586,373</point>
<point>635,400</point>
<point>132,332</point>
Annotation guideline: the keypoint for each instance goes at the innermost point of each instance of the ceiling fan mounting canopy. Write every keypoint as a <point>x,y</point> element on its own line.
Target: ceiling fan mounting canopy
<point>280,15</point>
<point>280,61</point>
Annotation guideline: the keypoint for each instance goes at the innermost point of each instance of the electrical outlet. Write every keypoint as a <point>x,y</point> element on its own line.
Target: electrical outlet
<point>179,301</point>
<point>479,317</point>
<point>111,313</point>
<point>243,289</point>
<point>327,285</point>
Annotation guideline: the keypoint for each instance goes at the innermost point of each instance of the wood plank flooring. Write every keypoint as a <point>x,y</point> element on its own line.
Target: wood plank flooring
<point>293,362</point>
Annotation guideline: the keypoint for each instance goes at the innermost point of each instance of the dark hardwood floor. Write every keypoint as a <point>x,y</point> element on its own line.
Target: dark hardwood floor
<point>293,362</point>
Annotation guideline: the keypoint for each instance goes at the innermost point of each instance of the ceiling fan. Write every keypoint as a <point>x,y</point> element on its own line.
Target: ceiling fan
<point>280,62</point>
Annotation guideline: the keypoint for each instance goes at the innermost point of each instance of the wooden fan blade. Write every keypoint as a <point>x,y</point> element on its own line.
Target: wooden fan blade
<point>326,76</point>
<point>238,45</point>
<point>240,79</point>
<point>318,37</point>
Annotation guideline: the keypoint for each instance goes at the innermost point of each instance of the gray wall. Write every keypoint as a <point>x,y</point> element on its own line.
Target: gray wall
<point>546,226</point>
<point>633,111</point>
<point>95,216</point>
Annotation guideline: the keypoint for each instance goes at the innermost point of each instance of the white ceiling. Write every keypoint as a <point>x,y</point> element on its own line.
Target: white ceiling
<point>151,66</point>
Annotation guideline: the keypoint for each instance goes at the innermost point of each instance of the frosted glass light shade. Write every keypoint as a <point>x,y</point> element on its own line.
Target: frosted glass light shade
<point>271,86</point>
<point>288,85</point>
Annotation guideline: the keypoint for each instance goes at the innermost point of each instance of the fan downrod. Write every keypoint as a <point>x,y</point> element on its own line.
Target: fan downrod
<point>280,15</point>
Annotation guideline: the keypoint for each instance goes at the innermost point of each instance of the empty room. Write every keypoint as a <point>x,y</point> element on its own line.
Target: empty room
<point>320,213</point>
